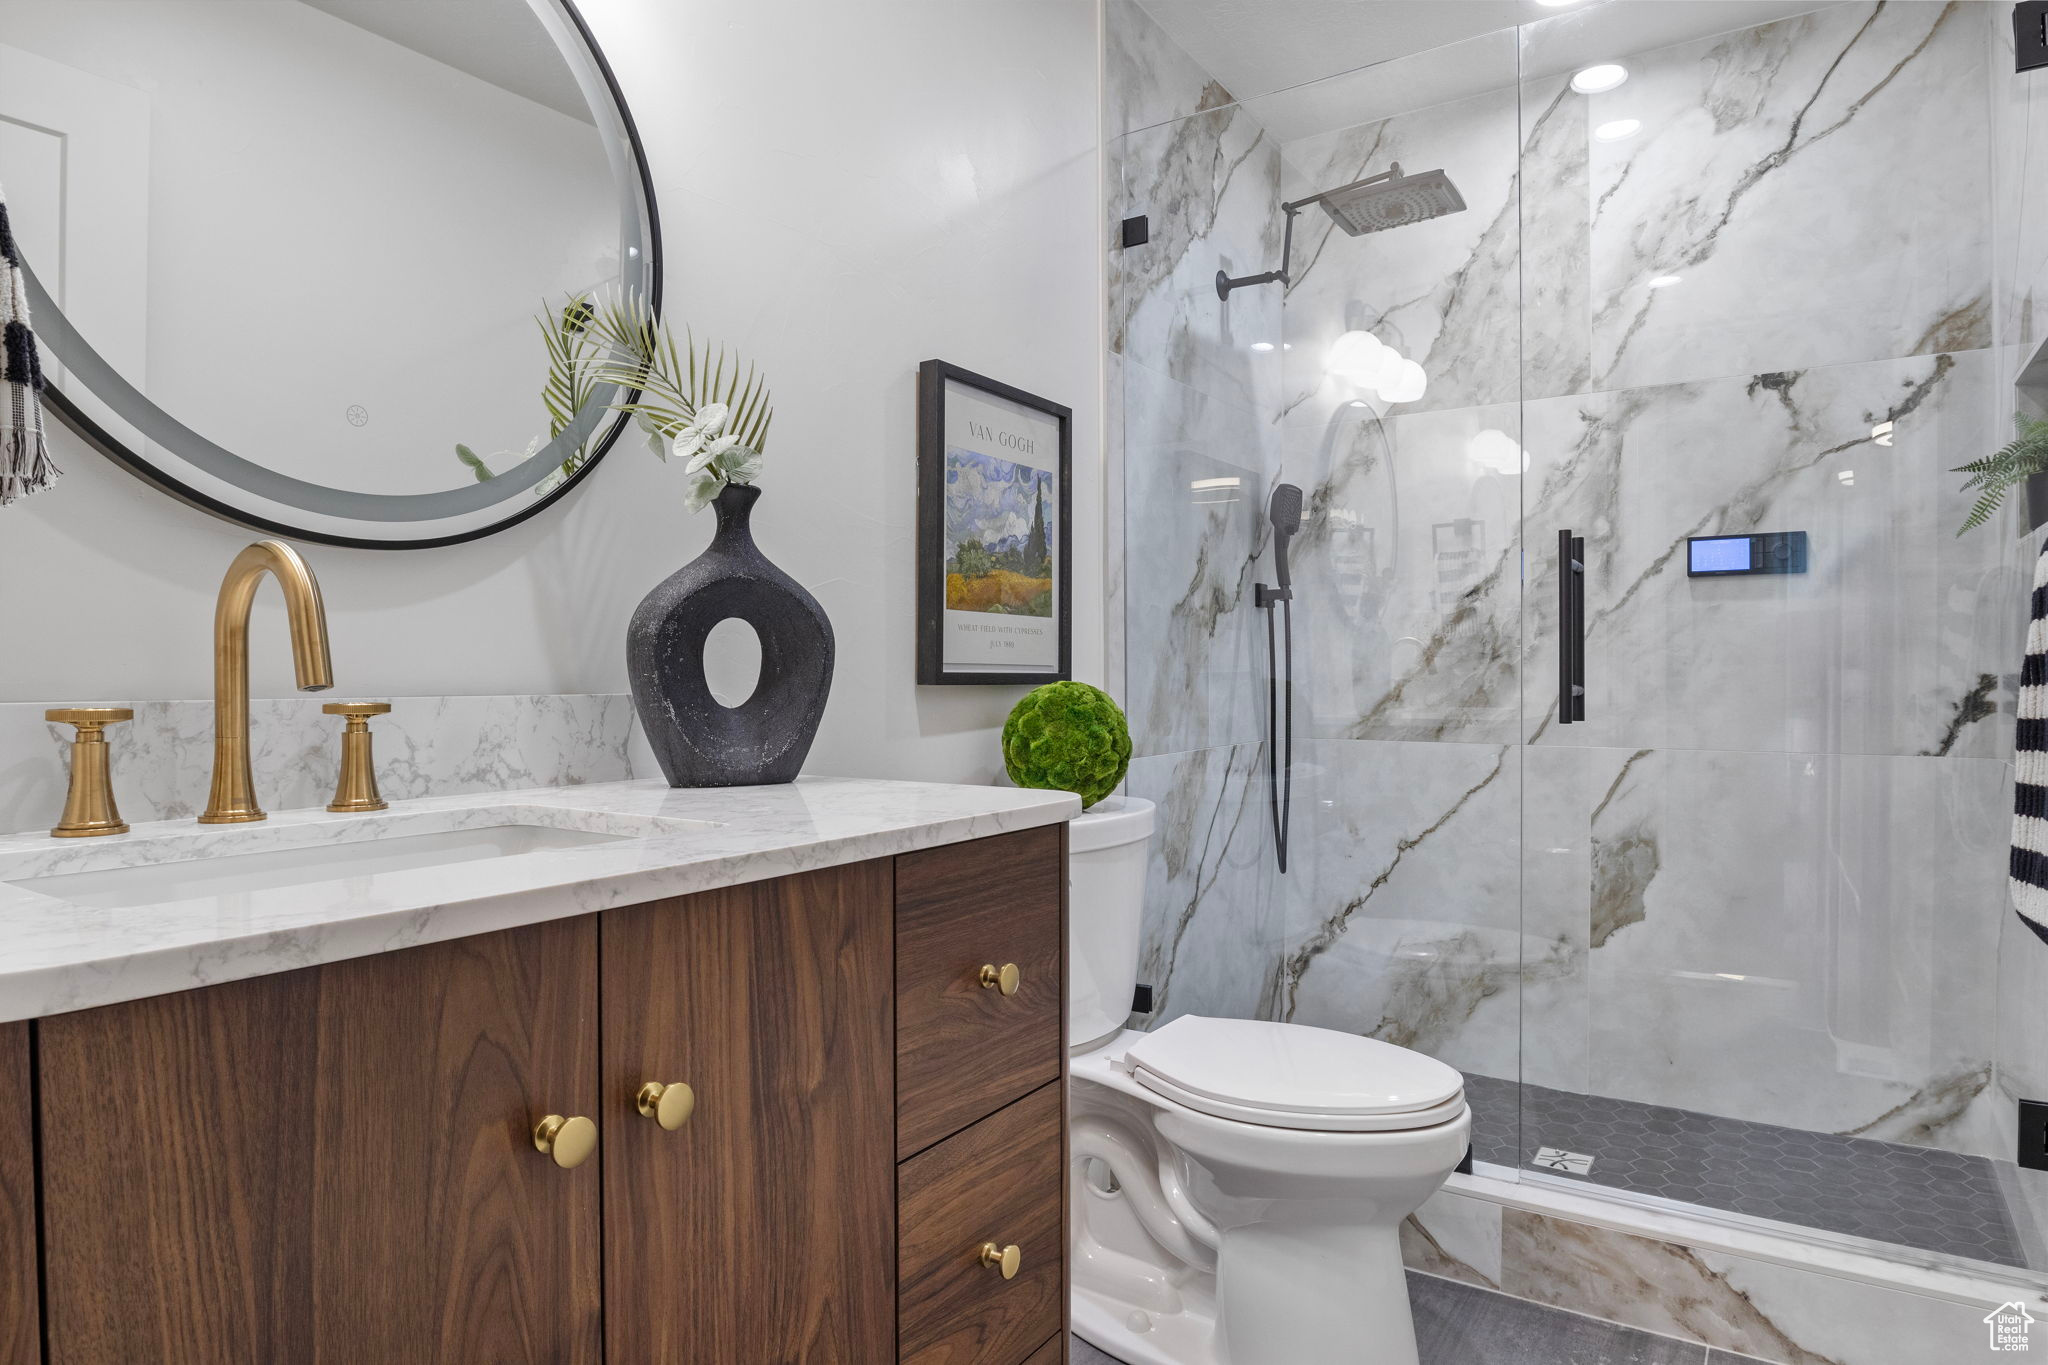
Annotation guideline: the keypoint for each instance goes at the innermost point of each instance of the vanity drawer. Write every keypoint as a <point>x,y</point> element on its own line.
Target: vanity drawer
<point>999,1182</point>
<point>963,1049</point>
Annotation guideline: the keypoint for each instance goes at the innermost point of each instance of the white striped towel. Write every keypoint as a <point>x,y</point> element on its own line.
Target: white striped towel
<point>25,465</point>
<point>2029,867</point>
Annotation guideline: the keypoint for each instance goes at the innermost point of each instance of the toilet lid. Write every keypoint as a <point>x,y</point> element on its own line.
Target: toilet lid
<point>1268,1071</point>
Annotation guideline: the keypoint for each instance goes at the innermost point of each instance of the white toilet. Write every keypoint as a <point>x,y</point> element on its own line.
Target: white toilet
<point>1239,1185</point>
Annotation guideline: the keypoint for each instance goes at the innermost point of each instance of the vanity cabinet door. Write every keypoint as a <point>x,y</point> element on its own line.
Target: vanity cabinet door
<point>999,1184</point>
<point>20,1331</point>
<point>762,1230</point>
<point>965,1047</point>
<point>332,1166</point>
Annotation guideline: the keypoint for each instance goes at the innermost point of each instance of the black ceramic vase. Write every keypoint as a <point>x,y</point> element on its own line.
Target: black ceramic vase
<point>700,741</point>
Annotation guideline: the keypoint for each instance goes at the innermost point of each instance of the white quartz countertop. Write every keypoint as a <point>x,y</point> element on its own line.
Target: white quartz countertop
<point>58,955</point>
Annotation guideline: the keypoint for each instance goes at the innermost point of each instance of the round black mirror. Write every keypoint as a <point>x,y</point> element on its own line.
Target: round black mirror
<point>298,261</point>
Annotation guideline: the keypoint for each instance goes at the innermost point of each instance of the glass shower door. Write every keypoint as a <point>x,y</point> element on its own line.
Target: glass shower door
<point>1402,898</point>
<point>1763,874</point>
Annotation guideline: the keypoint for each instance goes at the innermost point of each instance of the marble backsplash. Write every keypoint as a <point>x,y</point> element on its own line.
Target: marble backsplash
<point>427,746</point>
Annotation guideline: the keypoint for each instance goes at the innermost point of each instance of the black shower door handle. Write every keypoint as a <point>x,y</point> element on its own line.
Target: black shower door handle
<point>1571,627</point>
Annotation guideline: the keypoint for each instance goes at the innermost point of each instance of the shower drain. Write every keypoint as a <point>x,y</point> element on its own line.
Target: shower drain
<point>1558,1159</point>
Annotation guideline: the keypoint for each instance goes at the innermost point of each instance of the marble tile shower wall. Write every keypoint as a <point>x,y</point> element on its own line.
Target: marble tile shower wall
<point>1745,1306</point>
<point>427,746</point>
<point>1766,878</point>
<point>1198,445</point>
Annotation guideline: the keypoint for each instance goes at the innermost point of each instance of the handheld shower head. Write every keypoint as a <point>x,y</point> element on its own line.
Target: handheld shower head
<point>1283,509</point>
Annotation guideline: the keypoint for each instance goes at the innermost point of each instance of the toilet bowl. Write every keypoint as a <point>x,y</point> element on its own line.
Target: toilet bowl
<point>1238,1185</point>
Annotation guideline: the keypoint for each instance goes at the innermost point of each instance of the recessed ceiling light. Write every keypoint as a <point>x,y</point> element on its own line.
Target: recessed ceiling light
<point>1594,80</point>
<point>1666,281</point>
<point>1262,345</point>
<point>1619,129</point>
<point>1882,433</point>
<point>1200,485</point>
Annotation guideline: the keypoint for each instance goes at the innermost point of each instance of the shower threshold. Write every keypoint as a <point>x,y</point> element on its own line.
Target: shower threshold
<point>1919,1197</point>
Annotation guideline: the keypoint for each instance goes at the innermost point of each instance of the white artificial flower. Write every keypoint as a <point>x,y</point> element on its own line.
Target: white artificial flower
<point>700,488</point>
<point>657,439</point>
<point>720,452</point>
<point>700,431</point>
<point>740,464</point>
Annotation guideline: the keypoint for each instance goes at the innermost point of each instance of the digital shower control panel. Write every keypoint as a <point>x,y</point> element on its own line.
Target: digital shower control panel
<point>1770,552</point>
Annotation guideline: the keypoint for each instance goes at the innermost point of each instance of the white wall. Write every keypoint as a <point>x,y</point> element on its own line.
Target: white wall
<point>846,190</point>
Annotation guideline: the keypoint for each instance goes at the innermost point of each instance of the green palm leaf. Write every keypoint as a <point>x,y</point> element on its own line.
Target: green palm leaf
<point>1994,475</point>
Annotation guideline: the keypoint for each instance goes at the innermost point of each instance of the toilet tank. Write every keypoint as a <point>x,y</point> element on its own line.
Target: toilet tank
<point>1108,850</point>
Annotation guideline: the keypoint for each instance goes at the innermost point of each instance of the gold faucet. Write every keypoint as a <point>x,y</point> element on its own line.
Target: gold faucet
<point>233,798</point>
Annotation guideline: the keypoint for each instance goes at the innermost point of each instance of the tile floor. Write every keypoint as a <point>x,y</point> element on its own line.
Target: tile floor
<point>1457,1324</point>
<point>1913,1196</point>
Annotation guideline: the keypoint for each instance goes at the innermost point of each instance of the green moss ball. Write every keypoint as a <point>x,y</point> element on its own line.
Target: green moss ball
<point>1068,736</point>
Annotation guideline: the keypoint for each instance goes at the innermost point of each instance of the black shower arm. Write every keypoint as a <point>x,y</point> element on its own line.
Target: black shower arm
<point>1298,205</point>
<point>1226,283</point>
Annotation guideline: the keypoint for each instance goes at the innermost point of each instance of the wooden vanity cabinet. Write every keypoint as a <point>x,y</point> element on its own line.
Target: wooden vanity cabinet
<point>336,1166</point>
<point>763,1229</point>
<point>981,1098</point>
<point>21,1339</point>
<point>329,1165</point>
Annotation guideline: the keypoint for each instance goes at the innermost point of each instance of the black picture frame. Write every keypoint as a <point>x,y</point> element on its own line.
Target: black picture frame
<point>932,670</point>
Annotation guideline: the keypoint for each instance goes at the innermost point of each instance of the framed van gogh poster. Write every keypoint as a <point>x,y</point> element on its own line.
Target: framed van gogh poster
<point>994,550</point>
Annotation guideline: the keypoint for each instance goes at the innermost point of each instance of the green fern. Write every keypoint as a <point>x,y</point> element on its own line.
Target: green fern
<point>674,383</point>
<point>574,358</point>
<point>1994,475</point>
<point>617,341</point>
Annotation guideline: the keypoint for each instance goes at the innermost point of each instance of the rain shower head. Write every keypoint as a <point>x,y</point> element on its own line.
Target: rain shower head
<point>1390,200</point>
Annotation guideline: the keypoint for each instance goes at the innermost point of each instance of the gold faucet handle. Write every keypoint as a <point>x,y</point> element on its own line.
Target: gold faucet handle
<point>356,790</point>
<point>89,803</point>
<point>89,717</point>
<point>357,710</point>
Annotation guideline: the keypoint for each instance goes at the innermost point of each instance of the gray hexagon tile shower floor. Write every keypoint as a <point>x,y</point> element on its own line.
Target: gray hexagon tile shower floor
<point>1914,1196</point>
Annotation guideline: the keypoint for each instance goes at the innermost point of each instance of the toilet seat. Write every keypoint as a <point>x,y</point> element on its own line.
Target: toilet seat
<point>1293,1076</point>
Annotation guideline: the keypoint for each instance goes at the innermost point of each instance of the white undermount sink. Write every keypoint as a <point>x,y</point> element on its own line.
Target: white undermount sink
<point>214,867</point>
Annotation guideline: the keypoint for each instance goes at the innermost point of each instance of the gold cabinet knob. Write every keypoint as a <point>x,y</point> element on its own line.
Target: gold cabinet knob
<point>1005,978</point>
<point>669,1104</point>
<point>568,1141</point>
<point>1009,1260</point>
